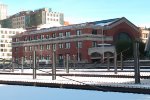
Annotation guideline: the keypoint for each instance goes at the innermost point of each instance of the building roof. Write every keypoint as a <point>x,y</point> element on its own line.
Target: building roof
<point>105,22</point>
<point>52,24</point>
<point>109,23</point>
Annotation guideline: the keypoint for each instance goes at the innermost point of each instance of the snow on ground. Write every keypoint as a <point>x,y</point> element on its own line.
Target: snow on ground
<point>103,81</point>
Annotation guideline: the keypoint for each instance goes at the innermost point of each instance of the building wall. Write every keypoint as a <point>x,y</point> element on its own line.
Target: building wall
<point>6,42</point>
<point>144,34</point>
<point>123,28</point>
<point>86,34</point>
<point>3,11</point>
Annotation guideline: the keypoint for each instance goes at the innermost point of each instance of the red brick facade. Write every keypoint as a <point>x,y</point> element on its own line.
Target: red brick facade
<point>40,40</point>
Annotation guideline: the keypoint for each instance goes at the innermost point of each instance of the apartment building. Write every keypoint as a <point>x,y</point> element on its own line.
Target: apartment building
<point>6,42</point>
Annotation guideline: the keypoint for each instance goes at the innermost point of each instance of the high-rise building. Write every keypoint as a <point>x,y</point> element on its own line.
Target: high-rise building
<point>3,11</point>
<point>26,19</point>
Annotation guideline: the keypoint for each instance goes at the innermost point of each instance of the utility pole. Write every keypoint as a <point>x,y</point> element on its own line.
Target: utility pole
<point>54,66</point>
<point>136,62</point>
<point>103,44</point>
<point>115,62</point>
<point>34,64</point>
<point>108,61</point>
<point>121,61</point>
<point>22,64</point>
<point>67,64</point>
<point>3,64</point>
<point>64,62</point>
<point>74,64</point>
<point>13,64</point>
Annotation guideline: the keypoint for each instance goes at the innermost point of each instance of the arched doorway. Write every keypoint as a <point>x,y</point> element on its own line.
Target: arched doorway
<point>95,57</point>
<point>123,42</point>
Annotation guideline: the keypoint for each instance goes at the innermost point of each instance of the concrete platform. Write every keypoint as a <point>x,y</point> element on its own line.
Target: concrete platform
<point>79,79</point>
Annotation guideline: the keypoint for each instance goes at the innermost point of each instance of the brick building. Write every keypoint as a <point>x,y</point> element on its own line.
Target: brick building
<point>79,41</point>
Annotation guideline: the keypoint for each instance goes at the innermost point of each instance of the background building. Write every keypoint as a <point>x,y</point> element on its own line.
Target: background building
<point>3,11</point>
<point>79,41</point>
<point>144,34</point>
<point>6,42</point>
<point>26,19</point>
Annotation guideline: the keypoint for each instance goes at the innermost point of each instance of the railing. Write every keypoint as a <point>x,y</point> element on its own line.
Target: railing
<point>65,39</point>
<point>101,50</point>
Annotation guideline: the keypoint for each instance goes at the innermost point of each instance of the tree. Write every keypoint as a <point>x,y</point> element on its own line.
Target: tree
<point>126,47</point>
<point>142,49</point>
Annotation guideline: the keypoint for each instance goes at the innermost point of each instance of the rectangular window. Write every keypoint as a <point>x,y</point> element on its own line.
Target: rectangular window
<point>2,50</point>
<point>36,47</point>
<point>35,37</point>
<point>53,35</point>
<point>94,31</point>
<point>60,34</point>
<point>2,45</point>
<point>25,48</point>
<point>79,32</point>
<point>3,36</point>
<point>30,48</point>
<point>48,46</point>
<point>54,46</point>
<point>60,56</point>
<point>60,59</point>
<point>42,36</point>
<point>68,45</point>
<point>41,47</point>
<point>79,44</point>
<point>67,34</point>
<point>48,57</point>
<point>47,36</point>
<point>5,50</point>
<point>61,45</point>
<point>94,43</point>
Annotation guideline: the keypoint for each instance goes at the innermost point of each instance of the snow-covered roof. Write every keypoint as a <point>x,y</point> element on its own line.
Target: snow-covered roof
<point>105,22</point>
<point>53,24</point>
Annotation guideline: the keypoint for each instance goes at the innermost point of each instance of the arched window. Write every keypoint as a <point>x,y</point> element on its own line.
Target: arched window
<point>123,37</point>
<point>95,54</point>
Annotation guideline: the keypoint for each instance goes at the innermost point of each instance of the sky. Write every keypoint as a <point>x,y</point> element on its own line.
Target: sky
<point>78,11</point>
